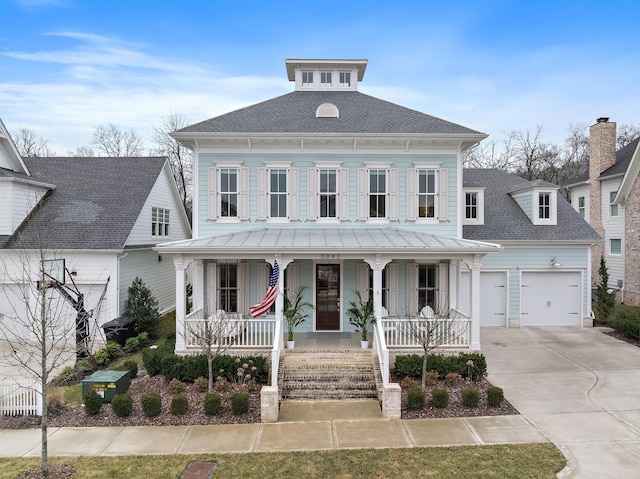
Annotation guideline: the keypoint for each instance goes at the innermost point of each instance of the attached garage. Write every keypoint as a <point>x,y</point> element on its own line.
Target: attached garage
<point>550,298</point>
<point>493,297</point>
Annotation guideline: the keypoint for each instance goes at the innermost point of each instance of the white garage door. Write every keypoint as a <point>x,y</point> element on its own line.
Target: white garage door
<point>493,297</point>
<point>550,299</point>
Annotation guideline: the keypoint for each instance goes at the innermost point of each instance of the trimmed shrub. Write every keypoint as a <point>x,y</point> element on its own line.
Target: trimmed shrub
<point>151,404</point>
<point>179,405</point>
<point>470,397</point>
<point>92,402</point>
<point>83,366</point>
<point>415,398</point>
<point>168,365</point>
<point>431,378</point>
<point>476,372</point>
<point>212,404</point>
<point>201,383</point>
<point>131,366</point>
<point>439,398</point>
<point>409,366</point>
<point>451,379</point>
<point>113,349</point>
<point>152,360</point>
<point>239,403</point>
<point>495,396</point>
<point>176,386</point>
<point>626,321</point>
<point>101,357</point>
<point>122,405</point>
<point>131,344</point>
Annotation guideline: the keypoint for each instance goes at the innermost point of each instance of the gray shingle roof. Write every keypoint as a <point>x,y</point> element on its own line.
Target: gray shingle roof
<point>296,113</point>
<point>95,203</point>
<point>504,220</point>
<point>623,158</point>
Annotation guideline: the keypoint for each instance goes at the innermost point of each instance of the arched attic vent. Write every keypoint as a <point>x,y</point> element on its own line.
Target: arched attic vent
<point>327,110</point>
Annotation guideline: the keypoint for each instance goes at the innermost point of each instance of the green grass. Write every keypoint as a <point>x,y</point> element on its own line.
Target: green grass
<point>537,461</point>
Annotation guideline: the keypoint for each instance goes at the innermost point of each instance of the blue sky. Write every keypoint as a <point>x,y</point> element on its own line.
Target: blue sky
<point>495,66</point>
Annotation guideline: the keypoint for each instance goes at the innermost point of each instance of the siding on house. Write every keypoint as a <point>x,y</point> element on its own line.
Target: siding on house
<point>614,228</point>
<point>576,193</point>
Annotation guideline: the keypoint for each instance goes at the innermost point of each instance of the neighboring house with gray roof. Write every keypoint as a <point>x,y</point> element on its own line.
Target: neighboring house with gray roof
<point>608,197</point>
<point>101,215</point>
<point>349,193</point>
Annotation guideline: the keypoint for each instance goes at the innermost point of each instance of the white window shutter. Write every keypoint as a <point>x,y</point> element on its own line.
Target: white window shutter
<point>263,197</point>
<point>243,193</point>
<point>213,197</point>
<point>343,196</point>
<point>293,277</point>
<point>412,197</point>
<point>412,289</point>
<point>211,305</point>
<point>443,288</point>
<point>392,285</point>
<point>393,194</point>
<point>363,194</point>
<point>312,193</point>
<point>294,180</point>
<point>262,280</point>
<point>362,280</point>
<point>243,288</point>
<point>443,204</point>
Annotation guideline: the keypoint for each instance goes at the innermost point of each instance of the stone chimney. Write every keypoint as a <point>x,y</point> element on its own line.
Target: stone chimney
<point>602,155</point>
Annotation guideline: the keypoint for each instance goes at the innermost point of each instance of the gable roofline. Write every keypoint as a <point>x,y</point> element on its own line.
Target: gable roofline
<point>13,155</point>
<point>629,177</point>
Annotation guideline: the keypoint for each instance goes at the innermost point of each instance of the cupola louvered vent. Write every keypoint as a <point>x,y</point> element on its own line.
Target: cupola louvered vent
<point>327,110</point>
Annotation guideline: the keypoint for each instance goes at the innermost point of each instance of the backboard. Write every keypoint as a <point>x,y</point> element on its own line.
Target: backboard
<point>54,270</point>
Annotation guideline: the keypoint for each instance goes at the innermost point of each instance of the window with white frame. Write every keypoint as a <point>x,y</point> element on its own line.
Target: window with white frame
<point>345,79</point>
<point>377,194</point>
<point>325,79</point>
<point>277,193</point>
<point>159,222</point>
<point>581,206</point>
<point>307,79</point>
<point>427,286</point>
<point>228,192</point>
<point>228,287</point>
<point>473,207</point>
<point>616,246</point>
<point>328,193</point>
<point>613,208</point>
<point>426,194</point>
<point>544,205</point>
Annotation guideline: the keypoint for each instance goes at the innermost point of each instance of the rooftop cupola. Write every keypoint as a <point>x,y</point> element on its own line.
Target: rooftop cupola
<point>324,75</point>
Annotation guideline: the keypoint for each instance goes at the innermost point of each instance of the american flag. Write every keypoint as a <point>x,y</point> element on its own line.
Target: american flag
<point>263,306</point>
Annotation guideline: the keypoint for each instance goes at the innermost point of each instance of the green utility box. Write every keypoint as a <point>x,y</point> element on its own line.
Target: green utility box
<point>107,384</point>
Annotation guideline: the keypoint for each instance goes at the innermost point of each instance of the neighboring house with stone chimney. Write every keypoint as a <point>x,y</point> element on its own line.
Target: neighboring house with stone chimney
<point>608,197</point>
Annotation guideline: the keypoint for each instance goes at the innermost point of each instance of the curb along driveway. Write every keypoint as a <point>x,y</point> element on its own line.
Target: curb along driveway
<point>579,387</point>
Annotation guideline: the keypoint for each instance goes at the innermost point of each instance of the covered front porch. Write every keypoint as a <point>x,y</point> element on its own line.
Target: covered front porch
<point>413,278</point>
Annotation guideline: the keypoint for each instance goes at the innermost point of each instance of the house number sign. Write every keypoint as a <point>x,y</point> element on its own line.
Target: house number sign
<point>330,256</point>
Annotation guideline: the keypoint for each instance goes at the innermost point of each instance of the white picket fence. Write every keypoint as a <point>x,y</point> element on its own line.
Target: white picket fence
<point>20,397</point>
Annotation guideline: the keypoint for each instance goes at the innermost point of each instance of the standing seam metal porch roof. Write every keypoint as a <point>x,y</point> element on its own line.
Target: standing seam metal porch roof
<point>339,239</point>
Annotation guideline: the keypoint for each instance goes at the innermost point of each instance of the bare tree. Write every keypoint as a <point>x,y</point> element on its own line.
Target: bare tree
<point>82,152</point>
<point>112,141</point>
<point>180,158</point>
<point>433,330</point>
<point>491,154</point>
<point>39,332</point>
<point>627,132</point>
<point>31,145</point>
<point>214,335</point>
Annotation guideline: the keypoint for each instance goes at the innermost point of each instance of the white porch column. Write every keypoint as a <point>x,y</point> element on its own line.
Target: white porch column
<point>181,302</point>
<point>475,302</point>
<point>377,264</point>
<point>454,278</point>
<point>198,286</point>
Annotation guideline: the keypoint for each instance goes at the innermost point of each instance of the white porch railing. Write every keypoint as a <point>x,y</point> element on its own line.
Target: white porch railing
<point>236,332</point>
<point>380,346</point>
<point>447,333</point>
<point>20,397</point>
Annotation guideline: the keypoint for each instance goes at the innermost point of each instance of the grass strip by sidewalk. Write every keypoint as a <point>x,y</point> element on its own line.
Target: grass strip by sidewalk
<point>522,461</point>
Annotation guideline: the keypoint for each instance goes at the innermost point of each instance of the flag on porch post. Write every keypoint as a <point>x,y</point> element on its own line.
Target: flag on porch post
<point>263,306</point>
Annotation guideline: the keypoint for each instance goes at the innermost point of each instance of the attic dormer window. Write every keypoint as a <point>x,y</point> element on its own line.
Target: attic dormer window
<point>545,204</point>
<point>307,79</point>
<point>327,110</point>
<point>325,79</point>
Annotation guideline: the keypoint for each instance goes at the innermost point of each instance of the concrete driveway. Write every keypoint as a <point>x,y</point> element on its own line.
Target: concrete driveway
<point>579,387</point>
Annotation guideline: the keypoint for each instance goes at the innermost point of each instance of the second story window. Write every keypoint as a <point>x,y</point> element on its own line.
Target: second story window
<point>159,222</point>
<point>471,205</point>
<point>278,193</point>
<point>544,206</point>
<point>345,79</point>
<point>228,193</point>
<point>307,79</point>
<point>328,193</point>
<point>426,193</point>
<point>613,208</point>
<point>377,194</point>
<point>581,206</point>
<point>325,78</point>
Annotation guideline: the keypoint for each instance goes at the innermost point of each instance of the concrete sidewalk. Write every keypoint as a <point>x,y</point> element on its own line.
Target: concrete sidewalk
<point>330,425</point>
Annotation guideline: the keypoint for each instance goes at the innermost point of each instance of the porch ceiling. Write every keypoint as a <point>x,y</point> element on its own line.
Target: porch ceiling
<point>338,240</point>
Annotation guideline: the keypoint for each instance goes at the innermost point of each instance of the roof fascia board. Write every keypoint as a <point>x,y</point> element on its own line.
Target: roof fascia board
<point>14,155</point>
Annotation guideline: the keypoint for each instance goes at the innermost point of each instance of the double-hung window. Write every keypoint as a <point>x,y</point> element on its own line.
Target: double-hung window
<point>325,79</point>
<point>345,79</point>
<point>228,287</point>
<point>278,193</point>
<point>228,192</point>
<point>427,286</point>
<point>159,222</point>
<point>426,194</point>
<point>613,207</point>
<point>544,206</point>
<point>307,79</point>
<point>328,193</point>
<point>581,206</point>
<point>377,194</point>
<point>473,207</point>
<point>615,246</point>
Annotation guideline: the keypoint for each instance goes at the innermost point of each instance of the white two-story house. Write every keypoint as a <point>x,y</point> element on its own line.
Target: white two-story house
<point>350,193</point>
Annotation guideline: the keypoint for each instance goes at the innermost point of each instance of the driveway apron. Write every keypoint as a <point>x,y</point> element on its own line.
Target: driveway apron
<point>579,387</point>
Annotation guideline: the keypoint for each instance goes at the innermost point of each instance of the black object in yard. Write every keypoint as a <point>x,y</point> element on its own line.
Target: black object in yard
<point>119,329</point>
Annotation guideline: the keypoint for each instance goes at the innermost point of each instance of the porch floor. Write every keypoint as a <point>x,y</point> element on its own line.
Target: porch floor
<point>328,340</point>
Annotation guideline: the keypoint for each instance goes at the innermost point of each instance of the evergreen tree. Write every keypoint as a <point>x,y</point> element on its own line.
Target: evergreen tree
<point>143,307</point>
<point>604,298</point>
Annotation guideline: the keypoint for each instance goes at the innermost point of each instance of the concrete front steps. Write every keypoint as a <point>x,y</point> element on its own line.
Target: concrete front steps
<point>317,375</point>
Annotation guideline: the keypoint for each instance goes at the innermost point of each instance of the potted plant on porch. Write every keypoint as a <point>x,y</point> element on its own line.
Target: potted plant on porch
<point>361,316</point>
<point>295,310</point>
